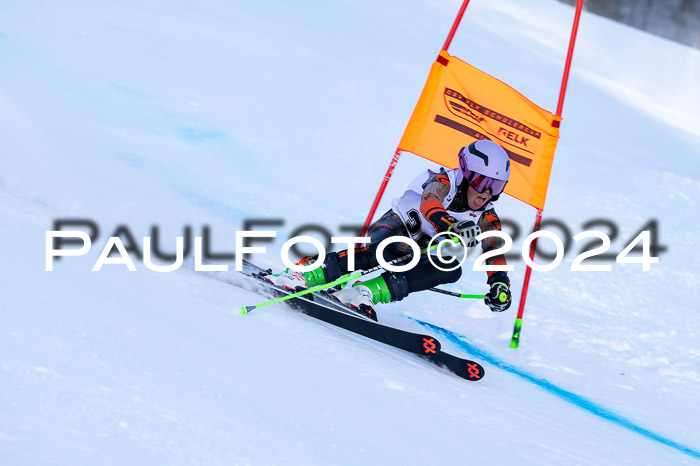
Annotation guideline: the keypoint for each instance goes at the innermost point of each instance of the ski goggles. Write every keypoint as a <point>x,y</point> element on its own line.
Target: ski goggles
<point>481,183</point>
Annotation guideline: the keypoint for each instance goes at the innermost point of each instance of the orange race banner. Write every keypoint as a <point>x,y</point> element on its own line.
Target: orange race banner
<point>460,104</point>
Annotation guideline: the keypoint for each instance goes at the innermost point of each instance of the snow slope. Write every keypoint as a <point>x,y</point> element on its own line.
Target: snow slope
<point>174,114</point>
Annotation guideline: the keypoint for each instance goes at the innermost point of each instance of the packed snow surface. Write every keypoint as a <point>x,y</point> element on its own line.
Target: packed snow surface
<point>214,114</point>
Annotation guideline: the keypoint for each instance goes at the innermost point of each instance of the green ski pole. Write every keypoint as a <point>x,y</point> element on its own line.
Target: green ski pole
<point>341,280</point>
<point>458,295</point>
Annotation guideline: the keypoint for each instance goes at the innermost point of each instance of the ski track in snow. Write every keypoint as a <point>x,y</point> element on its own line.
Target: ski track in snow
<point>175,114</point>
<point>577,400</point>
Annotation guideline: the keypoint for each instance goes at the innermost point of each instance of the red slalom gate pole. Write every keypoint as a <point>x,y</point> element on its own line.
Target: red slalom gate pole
<point>380,193</point>
<point>397,154</point>
<point>515,339</point>
<point>458,19</point>
<point>569,55</point>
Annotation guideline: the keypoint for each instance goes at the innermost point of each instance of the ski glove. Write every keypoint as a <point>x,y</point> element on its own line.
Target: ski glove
<point>498,298</point>
<point>467,230</point>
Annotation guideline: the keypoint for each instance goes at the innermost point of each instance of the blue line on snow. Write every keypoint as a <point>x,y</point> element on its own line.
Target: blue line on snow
<point>129,91</point>
<point>566,395</point>
<point>201,135</point>
<point>217,207</point>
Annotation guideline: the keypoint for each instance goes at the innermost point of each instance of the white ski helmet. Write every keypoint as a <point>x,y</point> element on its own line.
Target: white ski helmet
<point>485,165</point>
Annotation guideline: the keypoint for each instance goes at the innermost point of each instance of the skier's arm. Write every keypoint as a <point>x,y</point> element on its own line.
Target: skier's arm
<point>431,206</point>
<point>489,221</point>
<point>499,297</point>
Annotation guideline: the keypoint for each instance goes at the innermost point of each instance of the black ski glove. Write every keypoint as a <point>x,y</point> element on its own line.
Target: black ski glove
<point>467,230</point>
<point>498,298</point>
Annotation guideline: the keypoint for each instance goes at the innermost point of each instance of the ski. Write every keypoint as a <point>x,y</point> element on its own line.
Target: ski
<point>323,307</point>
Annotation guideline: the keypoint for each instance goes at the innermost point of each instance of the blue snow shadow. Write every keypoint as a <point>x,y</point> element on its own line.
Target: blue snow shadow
<point>130,92</point>
<point>197,135</point>
<point>577,400</point>
<point>133,160</point>
<point>218,208</point>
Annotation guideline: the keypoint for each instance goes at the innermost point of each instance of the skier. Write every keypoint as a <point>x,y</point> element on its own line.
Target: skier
<point>459,201</point>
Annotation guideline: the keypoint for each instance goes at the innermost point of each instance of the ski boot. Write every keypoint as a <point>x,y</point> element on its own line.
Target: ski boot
<point>296,281</point>
<point>362,296</point>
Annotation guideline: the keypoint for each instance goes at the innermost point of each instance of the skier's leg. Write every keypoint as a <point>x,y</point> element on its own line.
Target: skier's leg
<point>389,286</point>
<point>336,263</point>
<point>394,286</point>
<point>389,224</point>
<point>425,275</point>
